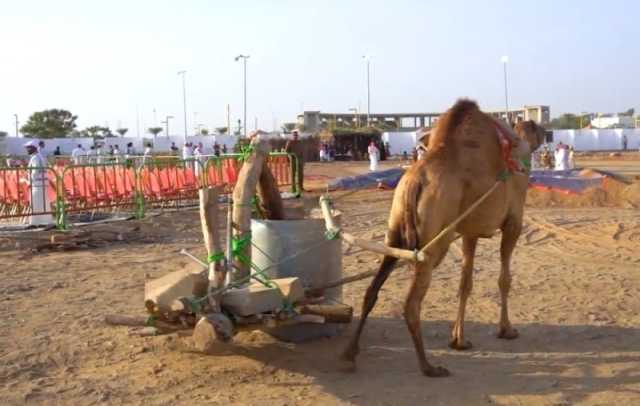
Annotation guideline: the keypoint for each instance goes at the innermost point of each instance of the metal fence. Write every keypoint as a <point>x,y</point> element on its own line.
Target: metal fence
<point>133,186</point>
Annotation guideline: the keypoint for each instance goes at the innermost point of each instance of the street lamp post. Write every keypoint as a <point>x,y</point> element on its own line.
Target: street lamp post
<point>368,59</point>
<point>166,123</point>
<point>505,59</point>
<point>244,61</point>
<point>17,132</point>
<point>184,102</point>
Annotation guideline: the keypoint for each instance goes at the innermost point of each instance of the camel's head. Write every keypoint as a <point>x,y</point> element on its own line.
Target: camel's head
<point>531,132</point>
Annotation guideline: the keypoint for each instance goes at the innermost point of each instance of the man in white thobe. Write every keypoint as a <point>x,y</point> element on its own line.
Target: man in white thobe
<point>562,157</point>
<point>38,186</point>
<point>77,154</point>
<point>374,156</point>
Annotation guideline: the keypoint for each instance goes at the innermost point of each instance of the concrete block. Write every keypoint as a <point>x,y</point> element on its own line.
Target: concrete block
<point>164,290</point>
<point>253,299</point>
<point>291,288</point>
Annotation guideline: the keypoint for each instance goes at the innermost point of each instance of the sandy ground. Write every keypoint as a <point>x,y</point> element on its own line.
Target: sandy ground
<point>575,301</point>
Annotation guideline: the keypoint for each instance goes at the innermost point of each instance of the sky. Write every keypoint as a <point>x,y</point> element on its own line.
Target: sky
<point>115,62</point>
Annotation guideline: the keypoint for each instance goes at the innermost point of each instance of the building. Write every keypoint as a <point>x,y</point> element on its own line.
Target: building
<point>613,121</point>
<point>316,120</point>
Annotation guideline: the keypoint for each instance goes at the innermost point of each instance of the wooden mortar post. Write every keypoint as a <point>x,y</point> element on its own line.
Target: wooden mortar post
<point>242,196</point>
<point>269,194</point>
<point>209,218</point>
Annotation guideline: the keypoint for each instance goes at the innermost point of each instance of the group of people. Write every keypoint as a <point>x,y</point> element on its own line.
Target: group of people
<point>561,159</point>
<point>327,152</point>
<point>97,154</point>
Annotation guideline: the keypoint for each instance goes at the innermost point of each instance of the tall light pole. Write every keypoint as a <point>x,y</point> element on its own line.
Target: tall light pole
<point>505,59</point>
<point>184,102</point>
<point>166,123</point>
<point>17,132</point>
<point>244,61</point>
<point>368,59</point>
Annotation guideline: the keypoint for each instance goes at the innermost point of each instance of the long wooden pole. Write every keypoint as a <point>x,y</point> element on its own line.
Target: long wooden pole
<point>366,245</point>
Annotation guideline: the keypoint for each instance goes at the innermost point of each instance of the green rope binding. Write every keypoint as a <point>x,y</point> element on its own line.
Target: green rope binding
<point>332,234</point>
<point>217,257</point>
<point>151,321</point>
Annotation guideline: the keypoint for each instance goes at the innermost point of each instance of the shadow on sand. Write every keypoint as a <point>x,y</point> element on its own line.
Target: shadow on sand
<point>562,363</point>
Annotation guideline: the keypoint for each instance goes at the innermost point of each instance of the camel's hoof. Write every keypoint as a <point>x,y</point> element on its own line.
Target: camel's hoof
<point>436,372</point>
<point>460,346</point>
<point>508,333</point>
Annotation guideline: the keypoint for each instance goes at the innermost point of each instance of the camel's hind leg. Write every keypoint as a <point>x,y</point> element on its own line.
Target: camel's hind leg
<point>510,234</point>
<point>466,284</point>
<point>370,298</point>
<point>413,304</point>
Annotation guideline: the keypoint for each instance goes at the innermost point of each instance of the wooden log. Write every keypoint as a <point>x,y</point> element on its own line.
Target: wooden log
<point>270,200</point>
<point>141,321</point>
<point>336,313</point>
<point>242,195</point>
<point>366,245</point>
<point>319,290</point>
<point>211,330</point>
<point>209,219</point>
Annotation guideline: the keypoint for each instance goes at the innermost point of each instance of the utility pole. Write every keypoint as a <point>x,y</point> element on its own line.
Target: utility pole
<point>166,123</point>
<point>244,60</point>
<point>184,102</point>
<point>368,59</point>
<point>505,59</point>
<point>17,131</point>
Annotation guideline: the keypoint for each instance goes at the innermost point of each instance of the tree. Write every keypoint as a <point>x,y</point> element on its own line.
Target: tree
<point>222,130</point>
<point>122,131</point>
<point>204,131</point>
<point>49,124</point>
<point>154,130</point>
<point>629,112</point>
<point>96,131</point>
<point>3,134</point>
<point>569,122</point>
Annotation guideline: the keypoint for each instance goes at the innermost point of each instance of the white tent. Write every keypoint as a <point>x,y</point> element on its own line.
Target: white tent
<point>399,142</point>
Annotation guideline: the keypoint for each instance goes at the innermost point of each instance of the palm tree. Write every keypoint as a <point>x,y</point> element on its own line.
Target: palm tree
<point>154,130</point>
<point>122,131</point>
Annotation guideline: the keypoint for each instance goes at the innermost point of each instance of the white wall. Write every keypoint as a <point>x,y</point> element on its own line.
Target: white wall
<point>598,140</point>
<point>400,141</point>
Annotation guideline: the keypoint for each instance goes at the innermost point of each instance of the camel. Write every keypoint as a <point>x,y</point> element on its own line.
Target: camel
<point>468,152</point>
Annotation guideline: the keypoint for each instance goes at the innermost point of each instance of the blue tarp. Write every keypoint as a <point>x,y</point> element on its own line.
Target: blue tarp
<point>569,180</point>
<point>389,177</point>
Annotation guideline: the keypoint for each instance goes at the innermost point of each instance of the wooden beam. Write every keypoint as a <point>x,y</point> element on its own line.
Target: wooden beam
<point>209,219</point>
<point>366,245</point>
